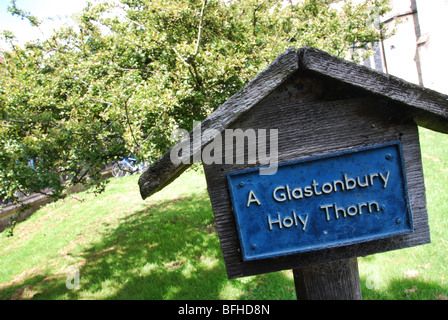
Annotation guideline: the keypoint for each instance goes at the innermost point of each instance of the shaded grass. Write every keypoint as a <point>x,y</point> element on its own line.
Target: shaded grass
<point>168,248</point>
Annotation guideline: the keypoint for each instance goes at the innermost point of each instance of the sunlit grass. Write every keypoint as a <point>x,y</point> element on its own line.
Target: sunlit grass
<point>167,247</point>
<point>126,248</point>
<point>419,272</point>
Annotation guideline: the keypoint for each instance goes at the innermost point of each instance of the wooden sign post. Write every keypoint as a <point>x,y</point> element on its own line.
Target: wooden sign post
<point>314,163</point>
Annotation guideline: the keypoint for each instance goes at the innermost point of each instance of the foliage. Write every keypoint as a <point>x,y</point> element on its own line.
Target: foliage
<point>134,70</point>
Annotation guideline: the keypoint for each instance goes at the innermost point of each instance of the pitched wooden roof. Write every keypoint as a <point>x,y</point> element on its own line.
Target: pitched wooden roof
<point>428,108</point>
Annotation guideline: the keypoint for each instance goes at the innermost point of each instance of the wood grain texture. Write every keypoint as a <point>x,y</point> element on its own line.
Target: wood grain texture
<point>338,280</point>
<point>164,171</point>
<point>317,116</point>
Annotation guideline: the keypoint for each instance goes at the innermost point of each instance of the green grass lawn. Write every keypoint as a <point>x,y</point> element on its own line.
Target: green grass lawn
<point>167,247</point>
<point>420,272</point>
<point>164,248</point>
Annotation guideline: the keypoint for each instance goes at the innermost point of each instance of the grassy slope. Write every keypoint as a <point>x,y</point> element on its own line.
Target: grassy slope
<point>164,248</point>
<point>420,272</point>
<point>168,248</point>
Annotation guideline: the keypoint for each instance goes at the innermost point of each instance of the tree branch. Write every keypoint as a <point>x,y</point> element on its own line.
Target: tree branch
<point>180,57</point>
<point>129,123</point>
<point>201,18</point>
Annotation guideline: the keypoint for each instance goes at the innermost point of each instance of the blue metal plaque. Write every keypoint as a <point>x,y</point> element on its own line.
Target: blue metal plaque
<point>322,202</point>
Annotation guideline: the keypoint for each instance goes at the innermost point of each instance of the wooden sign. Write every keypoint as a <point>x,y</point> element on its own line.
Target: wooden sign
<point>349,180</point>
<point>317,116</point>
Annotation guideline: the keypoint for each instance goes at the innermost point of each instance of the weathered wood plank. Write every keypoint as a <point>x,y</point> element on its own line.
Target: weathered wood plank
<point>337,280</point>
<point>315,117</point>
<point>429,108</point>
<point>163,171</point>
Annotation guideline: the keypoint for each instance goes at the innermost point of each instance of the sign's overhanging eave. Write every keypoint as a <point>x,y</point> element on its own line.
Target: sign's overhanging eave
<point>428,108</point>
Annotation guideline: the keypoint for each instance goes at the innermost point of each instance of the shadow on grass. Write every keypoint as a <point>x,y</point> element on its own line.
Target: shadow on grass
<point>157,253</point>
<point>404,289</point>
<point>171,250</point>
<point>168,250</point>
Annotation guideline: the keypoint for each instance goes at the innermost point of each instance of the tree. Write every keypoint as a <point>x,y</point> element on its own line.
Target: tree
<point>135,70</point>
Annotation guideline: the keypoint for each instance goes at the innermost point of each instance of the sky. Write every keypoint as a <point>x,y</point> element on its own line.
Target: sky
<point>53,13</point>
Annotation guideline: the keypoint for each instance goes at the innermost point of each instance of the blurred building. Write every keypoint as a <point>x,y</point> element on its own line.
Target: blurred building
<point>417,52</point>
